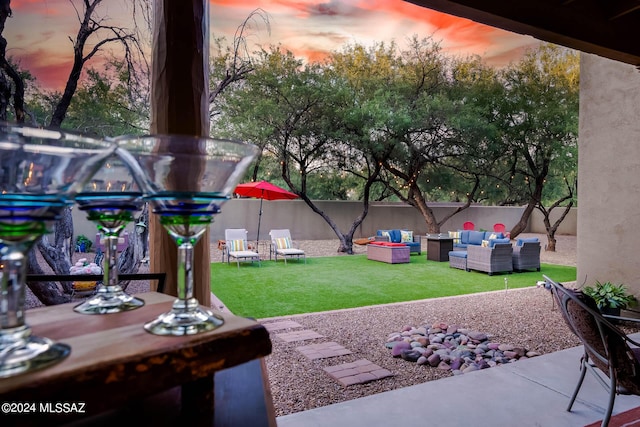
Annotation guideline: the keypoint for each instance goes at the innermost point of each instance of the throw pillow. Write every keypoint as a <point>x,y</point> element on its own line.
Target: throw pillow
<point>406,236</point>
<point>493,236</point>
<point>485,243</point>
<point>386,234</point>
<point>455,235</point>
<point>236,245</point>
<point>283,242</point>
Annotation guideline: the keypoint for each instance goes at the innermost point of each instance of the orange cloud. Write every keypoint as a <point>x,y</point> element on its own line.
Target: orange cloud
<point>51,74</point>
<point>49,7</point>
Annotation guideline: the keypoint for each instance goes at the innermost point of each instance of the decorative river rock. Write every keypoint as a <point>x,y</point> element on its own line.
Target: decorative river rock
<point>451,348</point>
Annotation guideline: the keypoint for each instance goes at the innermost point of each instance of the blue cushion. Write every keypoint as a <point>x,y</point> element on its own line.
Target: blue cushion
<point>519,242</point>
<point>476,237</point>
<point>396,236</point>
<point>464,237</point>
<point>459,254</point>
<point>460,245</point>
<point>493,242</point>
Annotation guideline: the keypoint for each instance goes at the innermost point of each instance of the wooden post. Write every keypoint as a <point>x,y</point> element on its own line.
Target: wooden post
<point>180,105</point>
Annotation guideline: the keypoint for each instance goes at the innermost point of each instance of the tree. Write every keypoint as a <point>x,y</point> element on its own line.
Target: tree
<point>94,35</point>
<point>540,113</point>
<point>429,121</point>
<point>231,65</point>
<point>11,83</point>
<point>303,117</point>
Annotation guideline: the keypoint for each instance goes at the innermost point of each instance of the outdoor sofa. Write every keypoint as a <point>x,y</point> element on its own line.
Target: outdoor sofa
<point>400,236</point>
<point>464,238</point>
<point>493,258</point>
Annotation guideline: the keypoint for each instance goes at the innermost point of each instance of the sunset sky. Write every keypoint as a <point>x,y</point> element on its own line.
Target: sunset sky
<point>38,32</point>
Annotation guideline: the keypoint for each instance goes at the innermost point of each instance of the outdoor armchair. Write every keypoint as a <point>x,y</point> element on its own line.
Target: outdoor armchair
<point>236,246</point>
<point>495,258</point>
<point>609,354</point>
<point>281,244</point>
<point>526,255</point>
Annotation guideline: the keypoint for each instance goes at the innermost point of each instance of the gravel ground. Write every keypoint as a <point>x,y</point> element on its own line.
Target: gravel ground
<point>522,317</point>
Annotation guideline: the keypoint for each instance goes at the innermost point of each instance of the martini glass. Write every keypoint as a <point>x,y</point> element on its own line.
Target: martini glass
<point>40,170</point>
<point>187,181</point>
<point>110,200</point>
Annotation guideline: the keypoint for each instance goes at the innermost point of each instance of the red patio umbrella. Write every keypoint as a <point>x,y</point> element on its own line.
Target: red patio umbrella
<point>263,190</point>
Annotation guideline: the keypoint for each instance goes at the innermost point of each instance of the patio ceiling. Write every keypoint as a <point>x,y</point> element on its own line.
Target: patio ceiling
<point>608,28</point>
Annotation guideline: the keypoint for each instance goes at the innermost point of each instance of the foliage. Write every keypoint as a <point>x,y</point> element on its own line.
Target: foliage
<point>102,106</point>
<point>610,295</point>
<point>332,283</point>
<point>83,240</point>
<point>382,122</point>
<point>539,121</point>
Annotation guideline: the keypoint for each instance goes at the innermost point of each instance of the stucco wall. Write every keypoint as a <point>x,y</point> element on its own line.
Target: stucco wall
<point>307,225</point>
<point>609,172</point>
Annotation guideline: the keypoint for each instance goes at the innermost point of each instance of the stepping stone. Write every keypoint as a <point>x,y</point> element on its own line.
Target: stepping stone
<point>282,324</point>
<point>305,334</point>
<point>359,372</point>
<point>323,350</point>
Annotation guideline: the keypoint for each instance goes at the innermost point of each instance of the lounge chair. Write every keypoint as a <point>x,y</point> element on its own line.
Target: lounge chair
<point>526,255</point>
<point>495,258</point>
<point>281,244</point>
<point>236,246</point>
<point>609,354</point>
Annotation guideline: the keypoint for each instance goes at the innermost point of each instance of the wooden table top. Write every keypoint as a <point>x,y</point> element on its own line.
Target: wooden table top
<point>114,359</point>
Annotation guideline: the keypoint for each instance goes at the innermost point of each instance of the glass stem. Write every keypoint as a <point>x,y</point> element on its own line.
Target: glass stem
<point>185,270</point>
<point>14,275</point>
<point>111,260</point>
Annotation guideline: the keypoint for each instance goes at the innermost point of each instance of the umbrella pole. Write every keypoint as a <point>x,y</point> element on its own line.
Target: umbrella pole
<point>259,219</point>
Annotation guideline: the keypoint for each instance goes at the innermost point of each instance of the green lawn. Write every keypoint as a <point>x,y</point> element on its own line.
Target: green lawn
<point>331,283</point>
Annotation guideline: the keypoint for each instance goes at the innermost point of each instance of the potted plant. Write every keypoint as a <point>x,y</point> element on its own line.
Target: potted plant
<point>83,244</point>
<point>610,297</point>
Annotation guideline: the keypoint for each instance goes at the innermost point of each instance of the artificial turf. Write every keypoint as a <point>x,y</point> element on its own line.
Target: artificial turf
<point>331,283</point>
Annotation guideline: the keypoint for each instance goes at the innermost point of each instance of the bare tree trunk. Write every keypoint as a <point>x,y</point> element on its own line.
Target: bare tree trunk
<point>130,259</point>
<point>58,258</point>
<point>180,105</point>
<point>47,292</point>
<point>5,88</point>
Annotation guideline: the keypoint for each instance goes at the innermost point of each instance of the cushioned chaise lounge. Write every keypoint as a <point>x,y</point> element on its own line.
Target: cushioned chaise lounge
<point>236,246</point>
<point>281,244</point>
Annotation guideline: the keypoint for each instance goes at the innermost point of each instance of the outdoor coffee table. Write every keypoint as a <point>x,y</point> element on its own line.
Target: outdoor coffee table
<point>438,247</point>
<point>391,253</point>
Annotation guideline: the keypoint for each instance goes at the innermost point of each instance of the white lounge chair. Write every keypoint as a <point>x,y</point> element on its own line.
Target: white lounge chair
<point>281,244</point>
<point>236,246</point>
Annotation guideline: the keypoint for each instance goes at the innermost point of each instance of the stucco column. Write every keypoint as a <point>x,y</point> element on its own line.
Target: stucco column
<point>608,172</point>
<point>180,105</point>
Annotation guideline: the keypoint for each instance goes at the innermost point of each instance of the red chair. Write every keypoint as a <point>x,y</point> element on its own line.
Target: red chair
<point>500,228</point>
<point>468,225</point>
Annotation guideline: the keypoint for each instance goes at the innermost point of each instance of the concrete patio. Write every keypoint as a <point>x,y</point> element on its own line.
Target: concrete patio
<point>533,392</point>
